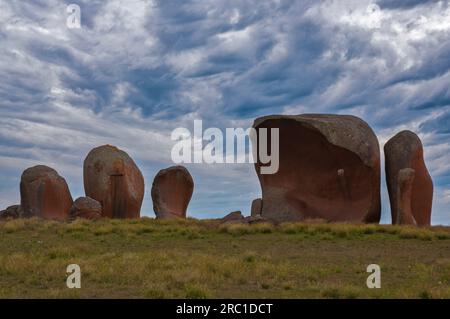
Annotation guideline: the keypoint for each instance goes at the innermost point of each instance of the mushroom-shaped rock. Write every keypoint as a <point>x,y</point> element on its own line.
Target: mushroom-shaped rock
<point>256,207</point>
<point>409,184</point>
<point>86,207</point>
<point>44,193</point>
<point>329,168</point>
<point>171,192</point>
<point>112,178</point>
<point>11,212</point>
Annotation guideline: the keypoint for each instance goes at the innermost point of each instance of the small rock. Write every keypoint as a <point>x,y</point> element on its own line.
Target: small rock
<point>86,207</point>
<point>12,212</point>
<point>234,216</point>
<point>256,219</point>
<point>256,207</point>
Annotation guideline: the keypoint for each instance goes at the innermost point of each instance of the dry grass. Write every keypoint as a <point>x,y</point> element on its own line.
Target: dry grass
<point>198,259</point>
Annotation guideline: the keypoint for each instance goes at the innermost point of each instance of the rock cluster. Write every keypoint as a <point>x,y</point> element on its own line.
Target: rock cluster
<point>329,168</point>
<point>238,218</point>
<point>232,217</point>
<point>114,186</point>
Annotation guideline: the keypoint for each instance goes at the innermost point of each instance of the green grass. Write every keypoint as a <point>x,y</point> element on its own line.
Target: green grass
<point>198,259</point>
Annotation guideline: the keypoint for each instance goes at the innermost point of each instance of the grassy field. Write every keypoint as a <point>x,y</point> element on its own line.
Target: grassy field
<point>197,259</point>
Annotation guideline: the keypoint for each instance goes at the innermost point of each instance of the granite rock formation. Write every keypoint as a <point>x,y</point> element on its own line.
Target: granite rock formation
<point>409,184</point>
<point>329,168</point>
<point>44,194</point>
<point>171,192</point>
<point>112,178</point>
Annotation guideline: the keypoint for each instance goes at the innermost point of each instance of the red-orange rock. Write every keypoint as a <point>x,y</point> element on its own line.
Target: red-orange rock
<point>113,179</point>
<point>86,207</point>
<point>44,193</point>
<point>171,192</point>
<point>329,169</point>
<point>405,151</point>
<point>256,208</point>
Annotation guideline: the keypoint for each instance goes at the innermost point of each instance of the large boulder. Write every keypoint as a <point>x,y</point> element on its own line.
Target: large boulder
<point>171,192</point>
<point>409,184</point>
<point>11,212</point>
<point>86,207</point>
<point>329,168</point>
<point>113,179</point>
<point>44,193</point>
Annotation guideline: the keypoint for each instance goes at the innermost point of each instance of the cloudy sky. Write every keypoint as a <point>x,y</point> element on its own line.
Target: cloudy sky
<point>136,70</point>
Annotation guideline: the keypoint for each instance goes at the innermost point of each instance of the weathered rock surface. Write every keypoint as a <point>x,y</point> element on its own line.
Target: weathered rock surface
<point>11,212</point>
<point>233,216</point>
<point>404,192</point>
<point>112,178</point>
<point>256,208</point>
<point>329,168</point>
<point>409,184</point>
<point>86,207</point>
<point>44,194</point>
<point>171,192</point>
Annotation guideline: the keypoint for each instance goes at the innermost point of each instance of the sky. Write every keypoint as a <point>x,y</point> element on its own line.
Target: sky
<point>136,70</point>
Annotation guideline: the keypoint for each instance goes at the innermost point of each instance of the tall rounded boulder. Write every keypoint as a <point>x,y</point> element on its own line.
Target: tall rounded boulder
<point>329,168</point>
<point>171,192</point>
<point>113,179</point>
<point>44,194</point>
<point>409,184</point>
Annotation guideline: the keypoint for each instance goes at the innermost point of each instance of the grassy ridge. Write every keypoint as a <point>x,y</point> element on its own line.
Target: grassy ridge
<point>197,259</point>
